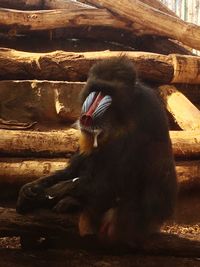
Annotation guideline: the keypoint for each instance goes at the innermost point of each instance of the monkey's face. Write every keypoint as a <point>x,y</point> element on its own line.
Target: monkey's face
<point>93,114</point>
<point>107,100</point>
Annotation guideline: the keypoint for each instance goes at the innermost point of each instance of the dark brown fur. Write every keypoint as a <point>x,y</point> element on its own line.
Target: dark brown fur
<point>127,186</point>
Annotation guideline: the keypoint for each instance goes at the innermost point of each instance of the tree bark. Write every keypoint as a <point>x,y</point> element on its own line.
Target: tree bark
<point>47,224</point>
<point>157,5</point>
<point>19,21</point>
<point>159,22</point>
<point>41,4</point>
<point>153,3</point>
<point>186,144</point>
<point>64,4</point>
<point>25,21</point>
<point>15,172</point>
<point>185,114</point>
<point>18,171</point>
<point>60,65</point>
<point>53,144</point>
<point>188,174</point>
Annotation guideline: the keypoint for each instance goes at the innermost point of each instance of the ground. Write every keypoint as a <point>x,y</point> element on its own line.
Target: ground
<point>187,223</point>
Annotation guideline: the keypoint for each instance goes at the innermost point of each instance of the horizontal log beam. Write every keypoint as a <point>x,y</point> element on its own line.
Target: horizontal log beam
<point>47,224</point>
<point>18,171</point>
<point>188,175</point>
<point>159,22</point>
<point>24,21</point>
<point>60,65</point>
<point>54,143</point>
<point>15,171</point>
<point>70,15</point>
<point>66,4</point>
<point>42,4</point>
<point>186,144</point>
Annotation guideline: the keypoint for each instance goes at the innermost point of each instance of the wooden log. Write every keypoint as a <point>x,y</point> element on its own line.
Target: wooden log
<point>54,143</point>
<point>153,3</point>
<point>186,115</point>
<point>41,4</point>
<point>40,101</point>
<point>158,5</point>
<point>60,65</point>
<point>188,174</point>
<point>180,70</point>
<point>64,4</point>
<point>15,172</point>
<point>159,22</point>
<point>47,224</point>
<point>25,21</point>
<point>186,144</point>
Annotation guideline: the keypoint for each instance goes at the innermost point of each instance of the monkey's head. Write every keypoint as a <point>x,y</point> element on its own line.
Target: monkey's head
<point>107,98</point>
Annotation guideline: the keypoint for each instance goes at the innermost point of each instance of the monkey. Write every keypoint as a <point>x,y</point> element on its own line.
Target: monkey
<point>123,177</point>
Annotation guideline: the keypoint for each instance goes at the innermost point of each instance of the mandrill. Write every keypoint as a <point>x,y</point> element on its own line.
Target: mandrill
<point>123,178</point>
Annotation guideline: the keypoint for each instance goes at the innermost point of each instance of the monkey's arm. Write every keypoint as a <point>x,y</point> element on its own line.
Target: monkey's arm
<point>90,192</point>
<point>34,194</point>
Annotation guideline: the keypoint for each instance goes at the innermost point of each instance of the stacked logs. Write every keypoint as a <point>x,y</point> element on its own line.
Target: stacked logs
<point>48,46</point>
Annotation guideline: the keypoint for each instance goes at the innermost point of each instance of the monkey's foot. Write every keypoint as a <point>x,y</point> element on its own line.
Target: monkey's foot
<point>107,232</point>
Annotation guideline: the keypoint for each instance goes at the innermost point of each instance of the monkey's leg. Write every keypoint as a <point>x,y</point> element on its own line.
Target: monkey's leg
<point>128,223</point>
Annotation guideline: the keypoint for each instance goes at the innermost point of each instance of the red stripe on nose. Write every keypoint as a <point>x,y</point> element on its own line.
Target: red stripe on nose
<point>95,104</point>
<point>87,118</point>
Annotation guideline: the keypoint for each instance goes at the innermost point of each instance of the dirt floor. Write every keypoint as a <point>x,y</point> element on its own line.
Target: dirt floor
<point>186,224</point>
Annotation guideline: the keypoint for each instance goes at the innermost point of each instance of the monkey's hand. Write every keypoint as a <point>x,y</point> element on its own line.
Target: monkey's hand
<point>30,197</point>
<point>68,204</point>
